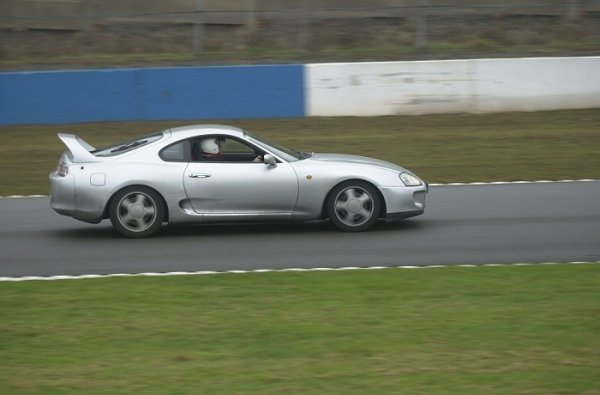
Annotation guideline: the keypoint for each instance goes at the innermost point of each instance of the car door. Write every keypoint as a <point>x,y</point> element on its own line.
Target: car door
<point>233,186</point>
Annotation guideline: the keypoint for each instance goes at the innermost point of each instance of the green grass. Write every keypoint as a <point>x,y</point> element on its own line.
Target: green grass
<point>492,330</point>
<point>440,148</point>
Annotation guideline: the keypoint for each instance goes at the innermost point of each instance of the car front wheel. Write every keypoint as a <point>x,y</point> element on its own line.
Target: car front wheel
<point>136,212</point>
<point>353,206</point>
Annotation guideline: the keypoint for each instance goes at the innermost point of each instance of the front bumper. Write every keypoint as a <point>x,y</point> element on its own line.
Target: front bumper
<point>404,202</point>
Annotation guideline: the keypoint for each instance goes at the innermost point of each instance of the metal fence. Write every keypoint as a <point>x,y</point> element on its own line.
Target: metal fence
<point>235,31</point>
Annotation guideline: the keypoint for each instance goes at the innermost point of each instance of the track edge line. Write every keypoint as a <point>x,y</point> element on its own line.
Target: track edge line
<point>289,270</point>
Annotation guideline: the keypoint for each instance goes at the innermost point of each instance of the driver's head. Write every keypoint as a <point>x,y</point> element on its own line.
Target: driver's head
<point>210,147</point>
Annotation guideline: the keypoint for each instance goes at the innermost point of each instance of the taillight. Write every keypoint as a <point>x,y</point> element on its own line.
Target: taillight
<point>62,169</point>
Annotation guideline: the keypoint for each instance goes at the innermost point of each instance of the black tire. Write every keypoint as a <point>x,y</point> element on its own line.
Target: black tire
<point>136,212</point>
<point>353,206</point>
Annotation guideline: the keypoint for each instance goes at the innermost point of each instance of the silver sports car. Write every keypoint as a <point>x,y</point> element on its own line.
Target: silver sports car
<point>214,173</point>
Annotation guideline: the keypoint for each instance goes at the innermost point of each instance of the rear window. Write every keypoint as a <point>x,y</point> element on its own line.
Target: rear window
<point>128,146</point>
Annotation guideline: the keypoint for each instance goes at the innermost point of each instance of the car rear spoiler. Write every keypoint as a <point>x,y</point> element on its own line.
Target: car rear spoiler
<point>80,150</point>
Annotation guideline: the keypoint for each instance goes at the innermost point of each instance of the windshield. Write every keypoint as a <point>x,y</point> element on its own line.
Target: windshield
<point>289,154</point>
<point>128,145</point>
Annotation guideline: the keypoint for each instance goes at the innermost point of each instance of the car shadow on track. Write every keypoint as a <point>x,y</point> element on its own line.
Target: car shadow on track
<point>278,228</point>
<point>105,231</point>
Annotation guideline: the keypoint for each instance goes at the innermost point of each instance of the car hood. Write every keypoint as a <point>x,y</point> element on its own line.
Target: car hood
<point>356,160</point>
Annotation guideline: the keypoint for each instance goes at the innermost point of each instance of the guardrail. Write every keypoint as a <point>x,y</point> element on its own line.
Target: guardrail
<point>151,94</point>
<point>452,86</point>
<point>341,89</point>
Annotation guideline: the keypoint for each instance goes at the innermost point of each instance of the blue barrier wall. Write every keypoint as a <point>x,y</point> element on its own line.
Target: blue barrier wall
<point>151,94</point>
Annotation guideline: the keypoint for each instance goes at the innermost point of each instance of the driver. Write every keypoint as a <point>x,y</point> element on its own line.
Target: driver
<point>210,149</point>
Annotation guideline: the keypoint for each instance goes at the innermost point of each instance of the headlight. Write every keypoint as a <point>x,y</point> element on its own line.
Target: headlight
<point>409,180</point>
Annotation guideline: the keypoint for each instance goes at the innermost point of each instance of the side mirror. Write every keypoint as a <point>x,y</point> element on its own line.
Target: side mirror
<point>270,160</point>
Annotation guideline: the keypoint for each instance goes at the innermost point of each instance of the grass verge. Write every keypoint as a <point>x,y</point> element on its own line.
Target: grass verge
<point>439,148</point>
<point>492,330</point>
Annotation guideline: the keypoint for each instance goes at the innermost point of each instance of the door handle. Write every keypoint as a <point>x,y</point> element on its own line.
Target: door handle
<point>199,175</point>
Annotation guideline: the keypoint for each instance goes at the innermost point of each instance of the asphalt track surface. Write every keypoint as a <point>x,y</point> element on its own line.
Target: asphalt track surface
<point>475,224</point>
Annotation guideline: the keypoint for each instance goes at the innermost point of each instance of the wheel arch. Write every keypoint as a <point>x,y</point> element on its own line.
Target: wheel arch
<point>105,213</point>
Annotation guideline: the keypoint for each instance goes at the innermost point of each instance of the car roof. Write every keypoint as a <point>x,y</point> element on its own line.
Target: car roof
<point>194,130</point>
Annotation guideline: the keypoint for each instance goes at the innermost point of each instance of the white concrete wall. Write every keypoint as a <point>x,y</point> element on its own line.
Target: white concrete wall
<point>452,86</point>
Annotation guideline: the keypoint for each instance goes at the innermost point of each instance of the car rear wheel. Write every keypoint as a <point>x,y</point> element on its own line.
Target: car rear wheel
<point>353,206</point>
<point>136,212</point>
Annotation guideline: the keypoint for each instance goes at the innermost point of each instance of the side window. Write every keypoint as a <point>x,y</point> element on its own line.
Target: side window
<point>175,152</point>
<point>230,146</point>
<point>223,149</point>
